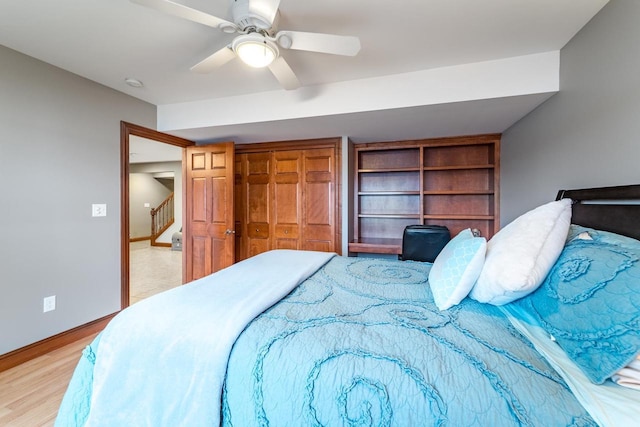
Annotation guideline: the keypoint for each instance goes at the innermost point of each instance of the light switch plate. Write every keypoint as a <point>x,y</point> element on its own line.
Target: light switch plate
<point>99,209</point>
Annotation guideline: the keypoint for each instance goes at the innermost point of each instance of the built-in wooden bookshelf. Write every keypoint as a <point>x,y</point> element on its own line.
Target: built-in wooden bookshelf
<point>445,181</point>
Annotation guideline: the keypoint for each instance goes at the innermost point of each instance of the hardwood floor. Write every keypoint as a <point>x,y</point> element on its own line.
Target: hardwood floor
<point>30,394</point>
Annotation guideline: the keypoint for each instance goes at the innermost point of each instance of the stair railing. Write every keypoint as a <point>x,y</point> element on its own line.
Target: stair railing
<point>161,218</point>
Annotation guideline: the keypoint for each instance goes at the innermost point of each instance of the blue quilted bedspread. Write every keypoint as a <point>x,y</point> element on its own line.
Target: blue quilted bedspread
<point>361,343</point>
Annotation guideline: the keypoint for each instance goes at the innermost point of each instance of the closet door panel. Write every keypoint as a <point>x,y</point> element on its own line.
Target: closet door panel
<point>258,195</point>
<point>319,200</point>
<point>286,203</point>
<point>239,208</point>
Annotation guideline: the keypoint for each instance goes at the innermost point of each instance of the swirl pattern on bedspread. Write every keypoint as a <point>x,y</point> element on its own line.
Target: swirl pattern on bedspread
<point>361,343</point>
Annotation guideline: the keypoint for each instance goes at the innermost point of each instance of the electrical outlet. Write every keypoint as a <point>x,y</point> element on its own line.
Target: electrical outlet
<point>99,209</point>
<point>49,304</point>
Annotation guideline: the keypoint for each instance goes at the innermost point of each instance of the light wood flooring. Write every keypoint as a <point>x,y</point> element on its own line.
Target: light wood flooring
<point>30,394</point>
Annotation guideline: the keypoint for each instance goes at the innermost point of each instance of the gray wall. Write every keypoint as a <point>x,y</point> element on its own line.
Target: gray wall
<point>59,154</point>
<point>346,188</point>
<point>144,188</point>
<point>587,135</point>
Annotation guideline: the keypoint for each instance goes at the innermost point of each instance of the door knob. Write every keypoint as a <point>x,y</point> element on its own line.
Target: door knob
<point>229,231</point>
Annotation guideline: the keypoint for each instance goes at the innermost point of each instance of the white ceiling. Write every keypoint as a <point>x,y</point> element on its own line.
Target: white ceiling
<point>143,150</point>
<point>109,40</point>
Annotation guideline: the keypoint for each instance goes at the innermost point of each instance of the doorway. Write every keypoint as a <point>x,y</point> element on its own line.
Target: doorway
<point>155,217</point>
<point>128,132</point>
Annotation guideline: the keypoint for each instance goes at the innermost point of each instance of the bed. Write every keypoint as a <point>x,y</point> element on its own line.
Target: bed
<point>307,338</point>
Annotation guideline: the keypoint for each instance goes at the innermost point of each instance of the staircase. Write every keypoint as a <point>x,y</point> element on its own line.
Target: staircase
<point>161,218</point>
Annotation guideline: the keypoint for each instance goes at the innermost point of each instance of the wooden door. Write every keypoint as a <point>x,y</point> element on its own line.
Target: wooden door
<point>319,214</point>
<point>257,193</point>
<point>209,240</point>
<point>239,202</point>
<point>290,196</point>
<point>287,203</point>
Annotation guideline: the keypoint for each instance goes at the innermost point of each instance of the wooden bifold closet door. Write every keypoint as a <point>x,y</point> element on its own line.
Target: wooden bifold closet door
<point>285,199</point>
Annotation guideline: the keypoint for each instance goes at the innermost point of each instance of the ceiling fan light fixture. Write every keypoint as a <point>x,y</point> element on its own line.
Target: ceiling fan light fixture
<point>255,50</point>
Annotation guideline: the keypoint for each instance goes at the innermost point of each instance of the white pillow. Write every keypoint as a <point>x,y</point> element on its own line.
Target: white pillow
<point>520,256</point>
<point>456,269</point>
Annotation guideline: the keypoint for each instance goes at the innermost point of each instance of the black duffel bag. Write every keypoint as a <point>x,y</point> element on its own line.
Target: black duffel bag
<point>423,242</point>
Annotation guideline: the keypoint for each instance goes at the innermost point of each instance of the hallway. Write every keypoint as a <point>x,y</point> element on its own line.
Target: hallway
<point>153,269</point>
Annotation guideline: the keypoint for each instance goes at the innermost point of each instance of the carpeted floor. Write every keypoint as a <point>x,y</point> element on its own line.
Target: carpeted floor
<point>153,269</point>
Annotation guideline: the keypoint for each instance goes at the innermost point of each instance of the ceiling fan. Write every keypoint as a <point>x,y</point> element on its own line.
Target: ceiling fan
<point>258,41</point>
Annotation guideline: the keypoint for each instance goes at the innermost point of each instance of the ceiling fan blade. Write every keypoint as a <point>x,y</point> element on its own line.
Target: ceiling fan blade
<point>284,74</point>
<point>214,61</point>
<point>265,8</point>
<point>185,12</point>
<point>318,42</point>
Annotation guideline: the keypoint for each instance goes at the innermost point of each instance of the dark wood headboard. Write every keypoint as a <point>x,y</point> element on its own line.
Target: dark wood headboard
<point>606,208</point>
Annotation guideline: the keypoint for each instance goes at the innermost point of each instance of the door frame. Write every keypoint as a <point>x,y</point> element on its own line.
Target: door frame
<point>126,130</point>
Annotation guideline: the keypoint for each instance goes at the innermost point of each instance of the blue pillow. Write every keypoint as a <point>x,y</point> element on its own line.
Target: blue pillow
<point>456,269</point>
<point>590,301</point>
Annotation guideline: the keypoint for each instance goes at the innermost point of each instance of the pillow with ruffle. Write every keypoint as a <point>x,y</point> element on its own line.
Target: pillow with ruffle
<point>590,301</point>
